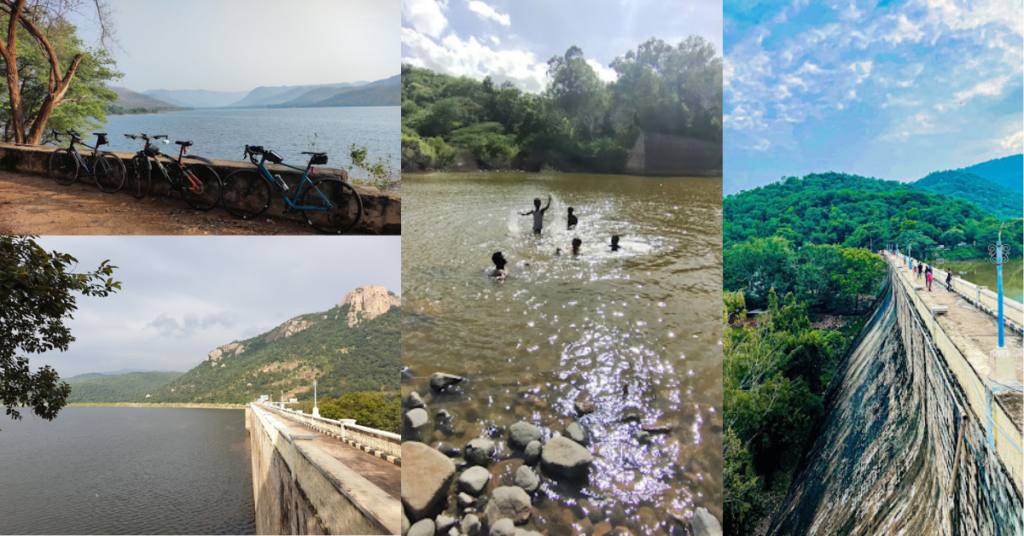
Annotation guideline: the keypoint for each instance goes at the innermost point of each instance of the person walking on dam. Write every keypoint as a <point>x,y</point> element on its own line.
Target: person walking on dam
<point>928,277</point>
<point>949,280</point>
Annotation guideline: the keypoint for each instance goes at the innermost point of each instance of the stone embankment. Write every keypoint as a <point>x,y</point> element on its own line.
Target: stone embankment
<point>478,489</point>
<point>382,210</point>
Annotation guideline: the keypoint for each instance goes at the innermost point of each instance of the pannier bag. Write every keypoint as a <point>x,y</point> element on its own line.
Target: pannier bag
<point>152,150</point>
<point>274,157</point>
<point>319,160</point>
<point>102,140</point>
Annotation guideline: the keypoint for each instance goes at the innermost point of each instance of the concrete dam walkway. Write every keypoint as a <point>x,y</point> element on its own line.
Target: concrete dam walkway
<point>307,479</point>
<point>916,440</point>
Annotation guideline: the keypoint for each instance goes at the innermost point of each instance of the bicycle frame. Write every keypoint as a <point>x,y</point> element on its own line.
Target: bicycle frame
<point>81,159</point>
<point>265,173</point>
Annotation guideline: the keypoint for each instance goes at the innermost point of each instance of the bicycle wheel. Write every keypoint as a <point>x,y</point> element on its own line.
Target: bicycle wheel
<point>63,166</point>
<point>245,194</point>
<point>111,172</point>
<point>200,186</point>
<point>139,182</point>
<point>338,207</point>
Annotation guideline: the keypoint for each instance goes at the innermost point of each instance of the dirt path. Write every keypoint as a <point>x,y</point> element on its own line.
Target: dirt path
<point>385,475</point>
<point>30,204</point>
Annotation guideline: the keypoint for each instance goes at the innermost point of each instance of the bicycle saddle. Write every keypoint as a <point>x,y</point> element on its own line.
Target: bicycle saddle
<point>184,143</point>
<point>314,154</point>
<point>99,133</point>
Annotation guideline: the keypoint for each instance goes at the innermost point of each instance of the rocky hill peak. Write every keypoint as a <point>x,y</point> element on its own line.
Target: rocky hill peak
<point>368,303</point>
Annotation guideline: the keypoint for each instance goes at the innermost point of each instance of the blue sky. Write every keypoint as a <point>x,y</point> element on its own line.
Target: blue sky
<point>512,40</point>
<point>893,90</point>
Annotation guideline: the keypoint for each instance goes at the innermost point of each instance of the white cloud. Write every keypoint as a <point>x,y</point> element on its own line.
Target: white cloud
<point>1014,141</point>
<point>487,12</point>
<point>988,88</point>
<point>905,30</point>
<point>424,16</point>
<point>474,59</point>
<point>606,74</point>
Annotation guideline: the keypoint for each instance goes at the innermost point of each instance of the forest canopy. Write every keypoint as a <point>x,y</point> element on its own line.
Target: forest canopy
<point>578,123</point>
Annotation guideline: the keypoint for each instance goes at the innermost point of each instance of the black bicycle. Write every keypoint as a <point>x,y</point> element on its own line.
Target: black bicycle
<point>199,184</point>
<point>107,169</point>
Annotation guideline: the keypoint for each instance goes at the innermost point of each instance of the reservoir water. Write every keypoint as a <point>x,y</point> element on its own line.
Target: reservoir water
<point>223,133</point>
<point>113,470</point>
<point>984,273</point>
<point>635,333</point>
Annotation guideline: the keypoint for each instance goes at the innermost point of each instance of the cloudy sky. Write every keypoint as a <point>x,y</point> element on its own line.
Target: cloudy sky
<point>237,45</point>
<point>512,40</point>
<point>184,296</point>
<point>894,90</point>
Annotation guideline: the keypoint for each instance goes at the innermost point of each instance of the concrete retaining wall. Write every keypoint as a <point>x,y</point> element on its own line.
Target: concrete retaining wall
<point>384,442</point>
<point>382,211</point>
<point>299,489</point>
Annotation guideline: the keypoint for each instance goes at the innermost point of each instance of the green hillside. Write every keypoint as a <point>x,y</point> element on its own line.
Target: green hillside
<point>83,377</point>
<point>131,387</point>
<point>316,95</point>
<point>1007,172</point>
<point>344,359</point>
<point>389,95</point>
<point>853,211</point>
<point>998,200</point>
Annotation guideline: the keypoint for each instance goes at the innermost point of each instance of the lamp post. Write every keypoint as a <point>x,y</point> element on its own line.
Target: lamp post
<point>998,255</point>
<point>316,410</point>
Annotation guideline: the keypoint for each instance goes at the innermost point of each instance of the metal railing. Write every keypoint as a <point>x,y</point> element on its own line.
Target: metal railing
<point>1004,436</point>
<point>346,429</point>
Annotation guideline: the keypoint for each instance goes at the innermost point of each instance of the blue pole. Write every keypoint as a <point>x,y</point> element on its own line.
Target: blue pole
<point>999,284</point>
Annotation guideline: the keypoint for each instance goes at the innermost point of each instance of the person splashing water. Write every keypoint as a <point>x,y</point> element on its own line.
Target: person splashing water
<point>572,220</point>
<point>576,243</point>
<point>499,264</point>
<point>615,243</point>
<point>538,214</point>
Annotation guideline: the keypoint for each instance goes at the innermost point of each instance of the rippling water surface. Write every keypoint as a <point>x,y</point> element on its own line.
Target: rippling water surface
<point>111,470</point>
<point>223,133</point>
<point>636,332</point>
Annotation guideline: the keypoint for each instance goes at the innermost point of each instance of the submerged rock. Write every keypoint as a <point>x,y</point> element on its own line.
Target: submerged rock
<point>577,433</point>
<point>415,401</point>
<point>471,525</point>
<point>416,419</point>
<point>474,480</point>
<point>705,524</point>
<point>440,382</point>
<point>508,502</point>
<point>479,451</point>
<point>503,527</point>
<point>444,523</point>
<point>531,454</point>
<point>426,476</point>
<point>526,479</point>
<point>564,457</point>
<point>521,434</point>
<point>423,527</point>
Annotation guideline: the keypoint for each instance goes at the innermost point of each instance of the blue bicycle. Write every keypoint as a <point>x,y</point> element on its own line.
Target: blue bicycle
<point>330,206</point>
<point>108,169</point>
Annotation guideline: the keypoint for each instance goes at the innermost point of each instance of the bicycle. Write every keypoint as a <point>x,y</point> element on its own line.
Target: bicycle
<point>199,184</point>
<point>327,204</point>
<point>107,169</point>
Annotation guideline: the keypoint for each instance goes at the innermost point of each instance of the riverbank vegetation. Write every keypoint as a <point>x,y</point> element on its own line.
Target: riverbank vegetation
<point>130,387</point>
<point>578,123</point>
<point>375,410</point>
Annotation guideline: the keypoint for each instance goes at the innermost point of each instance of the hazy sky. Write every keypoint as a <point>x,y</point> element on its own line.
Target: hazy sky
<point>184,296</point>
<point>237,45</point>
<point>894,90</point>
<point>512,40</point>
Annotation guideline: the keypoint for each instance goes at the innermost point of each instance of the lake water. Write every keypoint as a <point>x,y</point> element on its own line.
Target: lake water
<point>223,133</point>
<point>111,470</point>
<point>984,273</point>
<point>637,332</point>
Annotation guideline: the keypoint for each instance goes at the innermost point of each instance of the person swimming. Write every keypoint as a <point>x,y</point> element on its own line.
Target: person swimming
<point>615,243</point>
<point>499,264</point>
<point>572,220</point>
<point>538,214</point>
<point>558,251</point>
<point>576,243</point>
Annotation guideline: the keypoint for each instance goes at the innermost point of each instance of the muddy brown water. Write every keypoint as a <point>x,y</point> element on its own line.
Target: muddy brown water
<point>636,332</point>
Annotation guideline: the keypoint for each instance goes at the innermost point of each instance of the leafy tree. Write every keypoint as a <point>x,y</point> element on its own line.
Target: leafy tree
<point>862,273</point>
<point>37,82</point>
<point>36,296</point>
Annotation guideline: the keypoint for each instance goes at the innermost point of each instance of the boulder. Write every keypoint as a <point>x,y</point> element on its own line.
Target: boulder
<point>415,401</point>
<point>473,480</point>
<point>444,523</point>
<point>509,502</point>
<point>440,382</point>
<point>426,476</point>
<point>479,451</point>
<point>577,433</point>
<point>503,527</point>
<point>531,454</point>
<point>705,524</point>
<point>521,434</point>
<point>423,527</point>
<point>466,500</point>
<point>563,457</point>
<point>526,479</point>
<point>416,419</point>
<point>471,525</point>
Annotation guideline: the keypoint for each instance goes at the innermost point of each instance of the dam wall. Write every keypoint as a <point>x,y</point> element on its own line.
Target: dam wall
<point>300,489</point>
<point>383,444</point>
<point>906,446</point>
<point>382,210</point>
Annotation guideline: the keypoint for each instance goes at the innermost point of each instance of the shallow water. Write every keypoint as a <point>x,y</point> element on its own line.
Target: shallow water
<point>636,332</point>
<point>111,470</point>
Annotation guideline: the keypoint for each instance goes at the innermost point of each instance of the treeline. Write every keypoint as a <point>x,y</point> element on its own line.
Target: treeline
<point>578,123</point>
<point>117,110</point>
<point>999,201</point>
<point>131,387</point>
<point>374,410</point>
<point>858,212</point>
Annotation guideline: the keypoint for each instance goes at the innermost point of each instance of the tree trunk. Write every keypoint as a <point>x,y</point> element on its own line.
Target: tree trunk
<point>50,103</point>
<point>9,52</point>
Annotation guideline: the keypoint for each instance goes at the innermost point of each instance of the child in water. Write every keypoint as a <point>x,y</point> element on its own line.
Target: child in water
<point>572,220</point>
<point>538,214</point>
<point>499,264</point>
<point>576,243</point>
<point>615,243</point>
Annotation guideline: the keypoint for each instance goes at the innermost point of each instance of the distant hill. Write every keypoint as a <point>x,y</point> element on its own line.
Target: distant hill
<point>270,96</point>
<point>388,95</point>
<point>999,201</point>
<point>83,377</point>
<point>129,101</point>
<point>1007,172</point>
<point>314,96</point>
<point>197,98</point>
<point>130,387</point>
<point>352,347</point>
<point>397,79</point>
